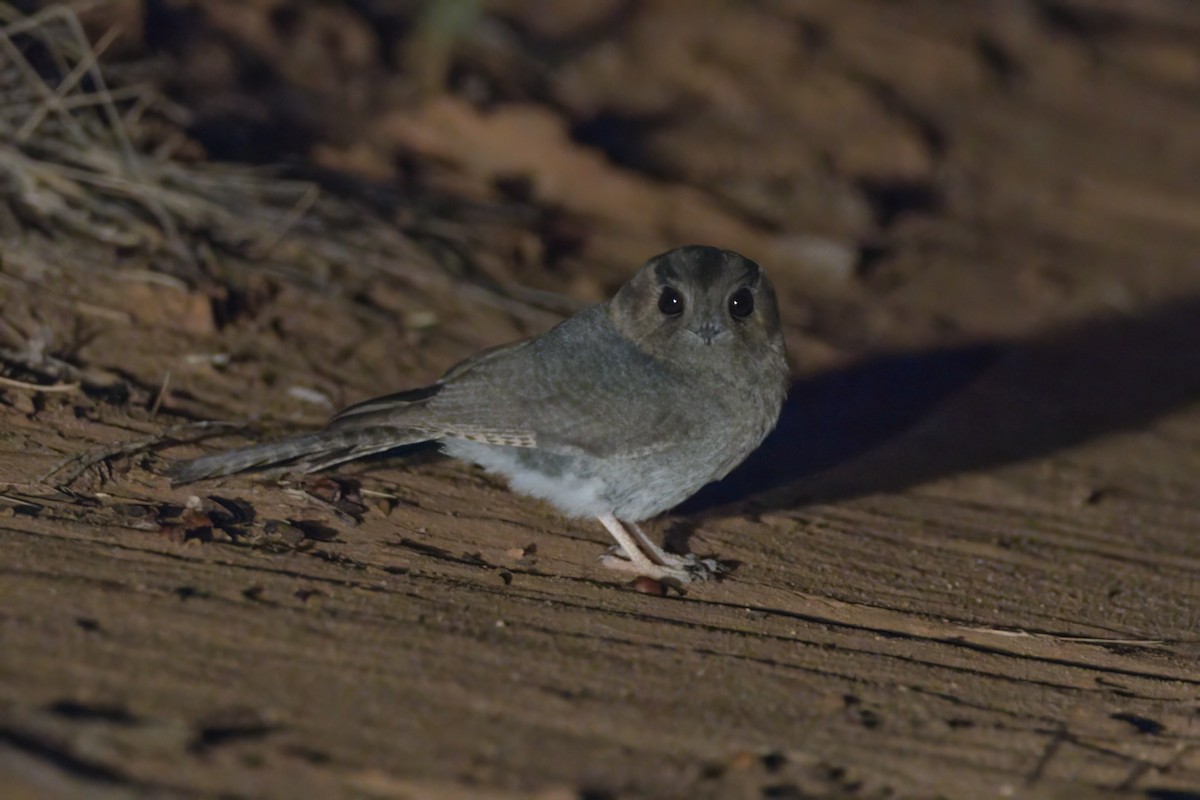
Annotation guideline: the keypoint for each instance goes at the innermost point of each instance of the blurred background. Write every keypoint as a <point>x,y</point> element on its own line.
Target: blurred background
<point>324,180</point>
<point>907,171</point>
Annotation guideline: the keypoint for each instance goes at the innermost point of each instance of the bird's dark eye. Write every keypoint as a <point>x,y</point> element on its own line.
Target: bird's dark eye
<point>741,304</point>
<point>670,302</point>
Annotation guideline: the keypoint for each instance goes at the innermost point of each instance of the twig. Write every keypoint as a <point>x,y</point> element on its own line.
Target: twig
<point>56,100</point>
<point>303,205</point>
<point>1052,748</point>
<point>171,436</point>
<point>30,74</point>
<point>38,387</point>
<point>1058,637</point>
<point>162,392</point>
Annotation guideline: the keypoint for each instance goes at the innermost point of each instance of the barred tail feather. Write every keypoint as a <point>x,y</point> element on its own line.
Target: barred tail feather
<point>306,453</point>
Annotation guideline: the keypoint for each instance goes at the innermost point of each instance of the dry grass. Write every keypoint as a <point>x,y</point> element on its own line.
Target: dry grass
<point>87,155</point>
<point>98,177</point>
<point>83,157</point>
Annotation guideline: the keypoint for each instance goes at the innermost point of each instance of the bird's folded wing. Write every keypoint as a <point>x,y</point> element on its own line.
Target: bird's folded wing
<point>578,388</point>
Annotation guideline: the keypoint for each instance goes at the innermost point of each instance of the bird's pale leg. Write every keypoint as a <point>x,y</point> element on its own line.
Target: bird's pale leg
<point>643,557</point>
<point>699,568</point>
<point>635,559</point>
<point>656,553</point>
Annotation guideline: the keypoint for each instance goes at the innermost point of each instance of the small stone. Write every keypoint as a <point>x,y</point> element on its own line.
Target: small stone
<point>649,586</point>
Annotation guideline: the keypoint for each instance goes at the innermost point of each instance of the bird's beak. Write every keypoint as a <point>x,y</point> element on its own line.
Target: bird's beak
<point>709,331</point>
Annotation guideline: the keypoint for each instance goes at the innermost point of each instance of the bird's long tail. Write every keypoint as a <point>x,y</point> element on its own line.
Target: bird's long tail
<point>306,453</point>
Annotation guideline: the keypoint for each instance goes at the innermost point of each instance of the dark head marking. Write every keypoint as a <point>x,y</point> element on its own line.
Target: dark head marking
<point>700,265</point>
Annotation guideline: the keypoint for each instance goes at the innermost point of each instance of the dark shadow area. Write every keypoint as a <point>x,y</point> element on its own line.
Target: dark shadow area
<point>622,138</point>
<point>897,421</point>
<point>892,199</point>
<point>831,418</point>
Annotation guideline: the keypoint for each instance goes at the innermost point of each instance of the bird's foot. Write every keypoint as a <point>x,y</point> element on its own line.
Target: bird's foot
<point>636,553</point>
<point>674,569</point>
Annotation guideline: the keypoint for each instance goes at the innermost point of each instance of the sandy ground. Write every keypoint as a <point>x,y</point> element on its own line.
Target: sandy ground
<point>968,560</point>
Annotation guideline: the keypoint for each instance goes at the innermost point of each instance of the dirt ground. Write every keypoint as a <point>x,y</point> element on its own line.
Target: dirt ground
<point>968,559</point>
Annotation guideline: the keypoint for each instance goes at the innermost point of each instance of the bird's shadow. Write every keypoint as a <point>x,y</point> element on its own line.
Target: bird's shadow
<point>899,420</point>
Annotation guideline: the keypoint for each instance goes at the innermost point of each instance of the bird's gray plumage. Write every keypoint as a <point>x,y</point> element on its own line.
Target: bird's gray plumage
<point>620,412</point>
